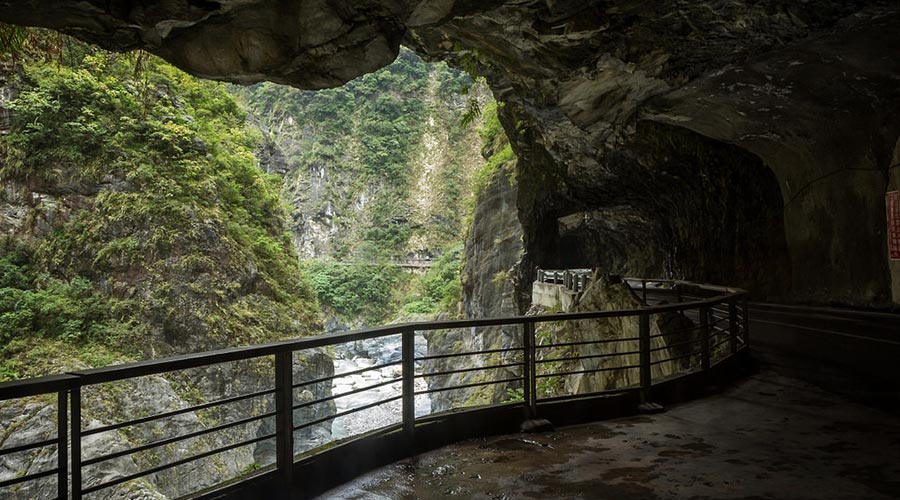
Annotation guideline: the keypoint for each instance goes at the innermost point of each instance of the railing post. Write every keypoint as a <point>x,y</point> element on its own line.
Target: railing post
<point>646,374</point>
<point>528,371</point>
<point>732,326</point>
<point>680,294</point>
<point>284,421</point>
<point>644,290</point>
<point>76,443</point>
<point>408,361</point>
<point>746,325</point>
<point>704,330</point>
<point>62,445</point>
<point>646,403</point>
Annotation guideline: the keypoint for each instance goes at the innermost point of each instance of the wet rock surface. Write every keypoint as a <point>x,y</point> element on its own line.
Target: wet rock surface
<point>769,437</point>
<point>493,250</point>
<point>793,105</point>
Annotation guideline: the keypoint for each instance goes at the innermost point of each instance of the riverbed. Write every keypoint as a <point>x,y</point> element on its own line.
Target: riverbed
<point>355,356</point>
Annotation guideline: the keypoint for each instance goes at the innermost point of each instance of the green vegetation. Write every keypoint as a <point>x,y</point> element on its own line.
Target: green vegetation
<point>355,290</point>
<point>440,289</point>
<point>495,147</point>
<point>514,395</point>
<point>356,157</point>
<point>375,293</point>
<point>41,314</point>
<point>367,136</point>
<point>366,286</point>
<point>148,227</point>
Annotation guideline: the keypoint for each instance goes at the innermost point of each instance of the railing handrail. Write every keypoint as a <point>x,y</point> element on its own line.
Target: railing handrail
<point>21,388</point>
<point>68,386</point>
<point>37,385</point>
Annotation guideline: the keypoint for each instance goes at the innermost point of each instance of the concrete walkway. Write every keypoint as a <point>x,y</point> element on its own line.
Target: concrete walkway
<point>769,437</point>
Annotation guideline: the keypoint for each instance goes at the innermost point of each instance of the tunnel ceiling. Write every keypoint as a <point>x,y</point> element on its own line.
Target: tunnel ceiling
<point>741,141</point>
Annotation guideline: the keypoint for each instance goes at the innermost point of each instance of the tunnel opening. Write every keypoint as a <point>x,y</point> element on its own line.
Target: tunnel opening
<point>685,207</point>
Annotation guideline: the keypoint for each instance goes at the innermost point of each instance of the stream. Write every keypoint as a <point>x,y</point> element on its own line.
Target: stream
<point>357,355</point>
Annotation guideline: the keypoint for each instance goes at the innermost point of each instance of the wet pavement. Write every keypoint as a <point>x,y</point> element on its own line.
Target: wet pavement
<point>768,437</point>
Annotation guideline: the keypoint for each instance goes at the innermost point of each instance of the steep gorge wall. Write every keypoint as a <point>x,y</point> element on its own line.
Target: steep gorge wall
<point>578,80</point>
<point>493,250</point>
<point>135,224</point>
<point>379,168</point>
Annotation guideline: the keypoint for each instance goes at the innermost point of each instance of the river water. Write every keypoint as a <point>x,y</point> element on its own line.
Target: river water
<point>358,355</point>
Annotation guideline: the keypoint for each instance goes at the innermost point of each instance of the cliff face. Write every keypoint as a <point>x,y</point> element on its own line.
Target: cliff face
<point>493,250</point>
<point>136,224</point>
<point>603,94</point>
<point>379,168</point>
<point>587,86</point>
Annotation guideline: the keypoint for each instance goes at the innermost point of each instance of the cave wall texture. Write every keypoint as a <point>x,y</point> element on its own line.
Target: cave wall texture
<point>741,142</point>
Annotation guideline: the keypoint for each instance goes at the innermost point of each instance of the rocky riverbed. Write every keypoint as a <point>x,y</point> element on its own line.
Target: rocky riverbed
<point>371,353</point>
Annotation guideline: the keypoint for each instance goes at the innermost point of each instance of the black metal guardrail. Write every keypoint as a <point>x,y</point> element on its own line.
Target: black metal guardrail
<point>719,315</point>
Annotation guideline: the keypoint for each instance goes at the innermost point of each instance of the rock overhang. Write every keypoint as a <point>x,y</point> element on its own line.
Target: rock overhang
<point>309,44</point>
<point>578,80</point>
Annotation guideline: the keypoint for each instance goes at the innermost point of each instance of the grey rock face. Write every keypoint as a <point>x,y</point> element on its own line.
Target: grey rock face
<point>493,250</point>
<point>822,115</point>
<point>601,294</point>
<point>775,84</point>
<point>581,81</point>
<point>322,43</point>
<point>28,421</point>
<point>652,200</point>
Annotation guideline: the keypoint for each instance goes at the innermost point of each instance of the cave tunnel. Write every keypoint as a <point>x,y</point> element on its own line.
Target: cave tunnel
<point>716,215</point>
<point>746,144</point>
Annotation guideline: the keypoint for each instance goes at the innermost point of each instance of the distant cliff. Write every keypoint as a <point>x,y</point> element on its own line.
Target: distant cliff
<point>493,250</point>
<point>376,169</point>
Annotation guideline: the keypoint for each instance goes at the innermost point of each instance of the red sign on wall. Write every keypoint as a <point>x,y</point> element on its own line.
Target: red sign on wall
<point>893,223</point>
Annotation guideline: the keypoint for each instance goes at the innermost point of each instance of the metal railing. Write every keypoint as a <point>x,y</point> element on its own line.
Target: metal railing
<point>574,280</point>
<point>718,329</point>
